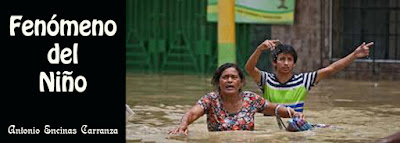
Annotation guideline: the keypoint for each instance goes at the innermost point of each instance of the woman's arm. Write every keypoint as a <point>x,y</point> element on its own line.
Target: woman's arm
<point>282,111</point>
<point>192,115</point>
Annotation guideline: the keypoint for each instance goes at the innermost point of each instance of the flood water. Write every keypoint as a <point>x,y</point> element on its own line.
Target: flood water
<point>358,111</point>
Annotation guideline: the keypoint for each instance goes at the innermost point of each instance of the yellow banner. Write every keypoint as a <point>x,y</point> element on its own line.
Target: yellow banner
<point>257,11</point>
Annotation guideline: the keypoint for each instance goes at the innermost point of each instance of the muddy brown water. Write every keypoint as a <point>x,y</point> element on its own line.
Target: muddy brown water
<point>358,111</point>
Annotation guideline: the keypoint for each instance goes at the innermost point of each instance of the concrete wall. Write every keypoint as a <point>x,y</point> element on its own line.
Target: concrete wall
<point>309,35</point>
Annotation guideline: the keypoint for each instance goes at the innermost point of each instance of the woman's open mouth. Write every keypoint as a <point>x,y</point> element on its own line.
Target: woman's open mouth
<point>230,87</point>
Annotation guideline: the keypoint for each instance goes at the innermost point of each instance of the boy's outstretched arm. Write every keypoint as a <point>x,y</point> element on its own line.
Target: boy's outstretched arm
<point>251,63</point>
<point>361,51</point>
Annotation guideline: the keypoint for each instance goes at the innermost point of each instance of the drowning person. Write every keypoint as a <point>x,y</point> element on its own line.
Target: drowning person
<point>229,108</point>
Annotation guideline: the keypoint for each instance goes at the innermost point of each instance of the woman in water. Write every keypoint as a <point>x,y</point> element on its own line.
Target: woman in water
<point>230,108</point>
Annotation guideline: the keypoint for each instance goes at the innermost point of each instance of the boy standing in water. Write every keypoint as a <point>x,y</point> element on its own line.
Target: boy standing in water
<point>284,87</point>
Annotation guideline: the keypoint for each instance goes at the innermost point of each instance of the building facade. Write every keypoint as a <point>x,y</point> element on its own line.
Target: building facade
<point>327,30</point>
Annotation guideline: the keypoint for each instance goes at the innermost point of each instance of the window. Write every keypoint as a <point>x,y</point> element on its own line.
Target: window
<point>355,21</point>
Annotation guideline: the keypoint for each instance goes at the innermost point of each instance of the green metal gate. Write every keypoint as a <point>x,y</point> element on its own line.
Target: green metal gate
<point>173,36</point>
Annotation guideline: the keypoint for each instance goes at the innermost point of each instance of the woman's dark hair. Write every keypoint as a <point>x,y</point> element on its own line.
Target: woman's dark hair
<point>284,48</point>
<point>222,68</point>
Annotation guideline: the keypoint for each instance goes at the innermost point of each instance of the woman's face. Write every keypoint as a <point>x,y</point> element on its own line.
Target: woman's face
<point>230,81</point>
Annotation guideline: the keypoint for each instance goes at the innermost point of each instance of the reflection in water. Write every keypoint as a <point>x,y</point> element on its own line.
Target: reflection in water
<point>359,111</point>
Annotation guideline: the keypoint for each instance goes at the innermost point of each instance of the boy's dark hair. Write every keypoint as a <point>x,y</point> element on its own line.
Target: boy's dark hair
<point>222,68</point>
<point>284,48</point>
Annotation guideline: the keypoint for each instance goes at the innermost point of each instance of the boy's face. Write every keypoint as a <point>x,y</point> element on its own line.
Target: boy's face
<point>284,63</point>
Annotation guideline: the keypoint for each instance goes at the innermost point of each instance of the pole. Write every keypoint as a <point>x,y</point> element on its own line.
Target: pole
<point>226,32</point>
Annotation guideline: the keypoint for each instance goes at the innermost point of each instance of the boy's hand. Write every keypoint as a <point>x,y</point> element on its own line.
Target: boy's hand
<point>363,50</point>
<point>268,44</point>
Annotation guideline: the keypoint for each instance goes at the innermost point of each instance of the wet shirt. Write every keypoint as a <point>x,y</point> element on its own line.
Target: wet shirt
<point>292,93</point>
<point>218,119</point>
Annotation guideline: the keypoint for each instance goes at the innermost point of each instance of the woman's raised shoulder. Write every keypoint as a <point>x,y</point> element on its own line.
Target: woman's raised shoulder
<point>250,94</point>
<point>211,95</point>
